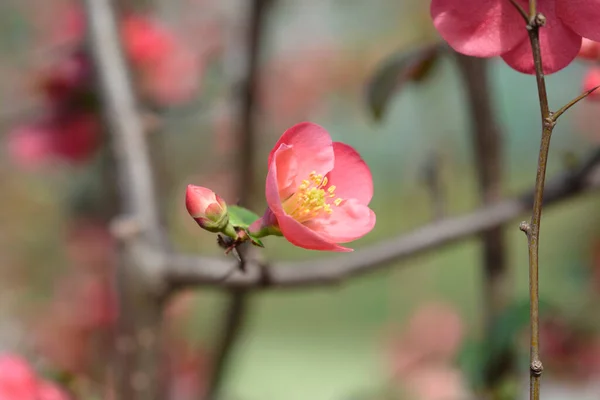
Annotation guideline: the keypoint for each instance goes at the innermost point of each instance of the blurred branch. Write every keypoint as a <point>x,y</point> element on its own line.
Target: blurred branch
<point>190,270</point>
<point>140,291</point>
<point>237,308</point>
<point>487,148</point>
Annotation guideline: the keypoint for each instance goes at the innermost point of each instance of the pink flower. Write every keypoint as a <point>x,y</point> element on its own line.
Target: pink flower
<point>590,50</point>
<point>317,191</point>
<point>437,383</point>
<point>169,70</point>
<point>18,381</point>
<point>489,28</point>
<point>207,208</point>
<point>72,138</point>
<point>590,81</point>
<point>66,79</point>
<point>49,391</point>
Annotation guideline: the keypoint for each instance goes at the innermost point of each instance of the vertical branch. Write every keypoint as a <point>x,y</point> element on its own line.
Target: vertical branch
<point>140,293</point>
<point>532,229</point>
<point>238,303</point>
<point>487,147</point>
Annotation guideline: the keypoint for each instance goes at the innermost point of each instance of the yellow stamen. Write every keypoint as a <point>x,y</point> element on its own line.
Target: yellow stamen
<point>311,199</point>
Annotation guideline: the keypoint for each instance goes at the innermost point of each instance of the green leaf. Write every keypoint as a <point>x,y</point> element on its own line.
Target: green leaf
<point>401,68</point>
<point>241,217</point>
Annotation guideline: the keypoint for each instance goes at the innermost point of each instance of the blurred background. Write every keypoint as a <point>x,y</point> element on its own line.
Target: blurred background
<point>415,330</point>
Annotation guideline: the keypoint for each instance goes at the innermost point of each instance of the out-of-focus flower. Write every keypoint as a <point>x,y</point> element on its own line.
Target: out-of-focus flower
<point>591,81</point>
<point>18,381</point>
<point>421,341</point>
<point>189,370</point>
<point>72,138</point>
<point>317,191</point>
<point>590,50</point>
<point>573,352</point>
<point>207,208</point>
<point>296,84</point>
<point>64,81</point>
<point>492,28</point>
<point>83,309</point>
<point>422,358</point>
<point>169,70</point>
<point>437,383</point>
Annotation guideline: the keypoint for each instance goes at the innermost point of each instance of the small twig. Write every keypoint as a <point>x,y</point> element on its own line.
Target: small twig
<point>532,10</point>
<point>554,117</point>
<point>521,10</point>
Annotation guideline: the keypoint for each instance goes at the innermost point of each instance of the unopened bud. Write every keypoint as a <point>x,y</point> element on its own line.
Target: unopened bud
<point>207,208</point>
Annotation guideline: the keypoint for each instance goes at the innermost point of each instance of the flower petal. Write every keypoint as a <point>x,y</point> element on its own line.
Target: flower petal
<point>302,236</point>
<point>350,175</point>
<point>348,222</point>
<point>312,147</point>
<point>272,192</point>
<point>294,232</point>
<point>287,170</point>
<point>582,16</point>
<point>558,43</point>
<point>481,28</point>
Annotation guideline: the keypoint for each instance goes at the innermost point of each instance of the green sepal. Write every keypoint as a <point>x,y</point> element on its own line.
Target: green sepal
<point>254,240</point>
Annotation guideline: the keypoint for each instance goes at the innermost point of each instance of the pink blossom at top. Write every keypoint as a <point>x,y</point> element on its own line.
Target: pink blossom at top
<point>18,381</point>
<point>489,28</point>
<point>590,81</point>
<point>317,190</point>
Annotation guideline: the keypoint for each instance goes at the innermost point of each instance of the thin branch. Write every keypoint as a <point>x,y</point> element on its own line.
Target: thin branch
<point>532,10</point>
<point>533,229</point>
<point>191,270</point>
<point>570,104</point>
<point>237,308</point>
<point>521,10</point>
<point>487,147</point>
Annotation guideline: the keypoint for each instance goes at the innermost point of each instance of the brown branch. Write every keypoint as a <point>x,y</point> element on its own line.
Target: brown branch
<point>235,316</point>
<point>487,147</point>
<point>191,270</point>
<point>140,291</point>
<point>533,228</point>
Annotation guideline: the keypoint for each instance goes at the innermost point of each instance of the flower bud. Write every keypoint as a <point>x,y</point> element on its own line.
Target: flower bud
<point>207,208</point>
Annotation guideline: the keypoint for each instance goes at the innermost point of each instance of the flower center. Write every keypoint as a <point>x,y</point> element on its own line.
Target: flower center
<point>311,199</point>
